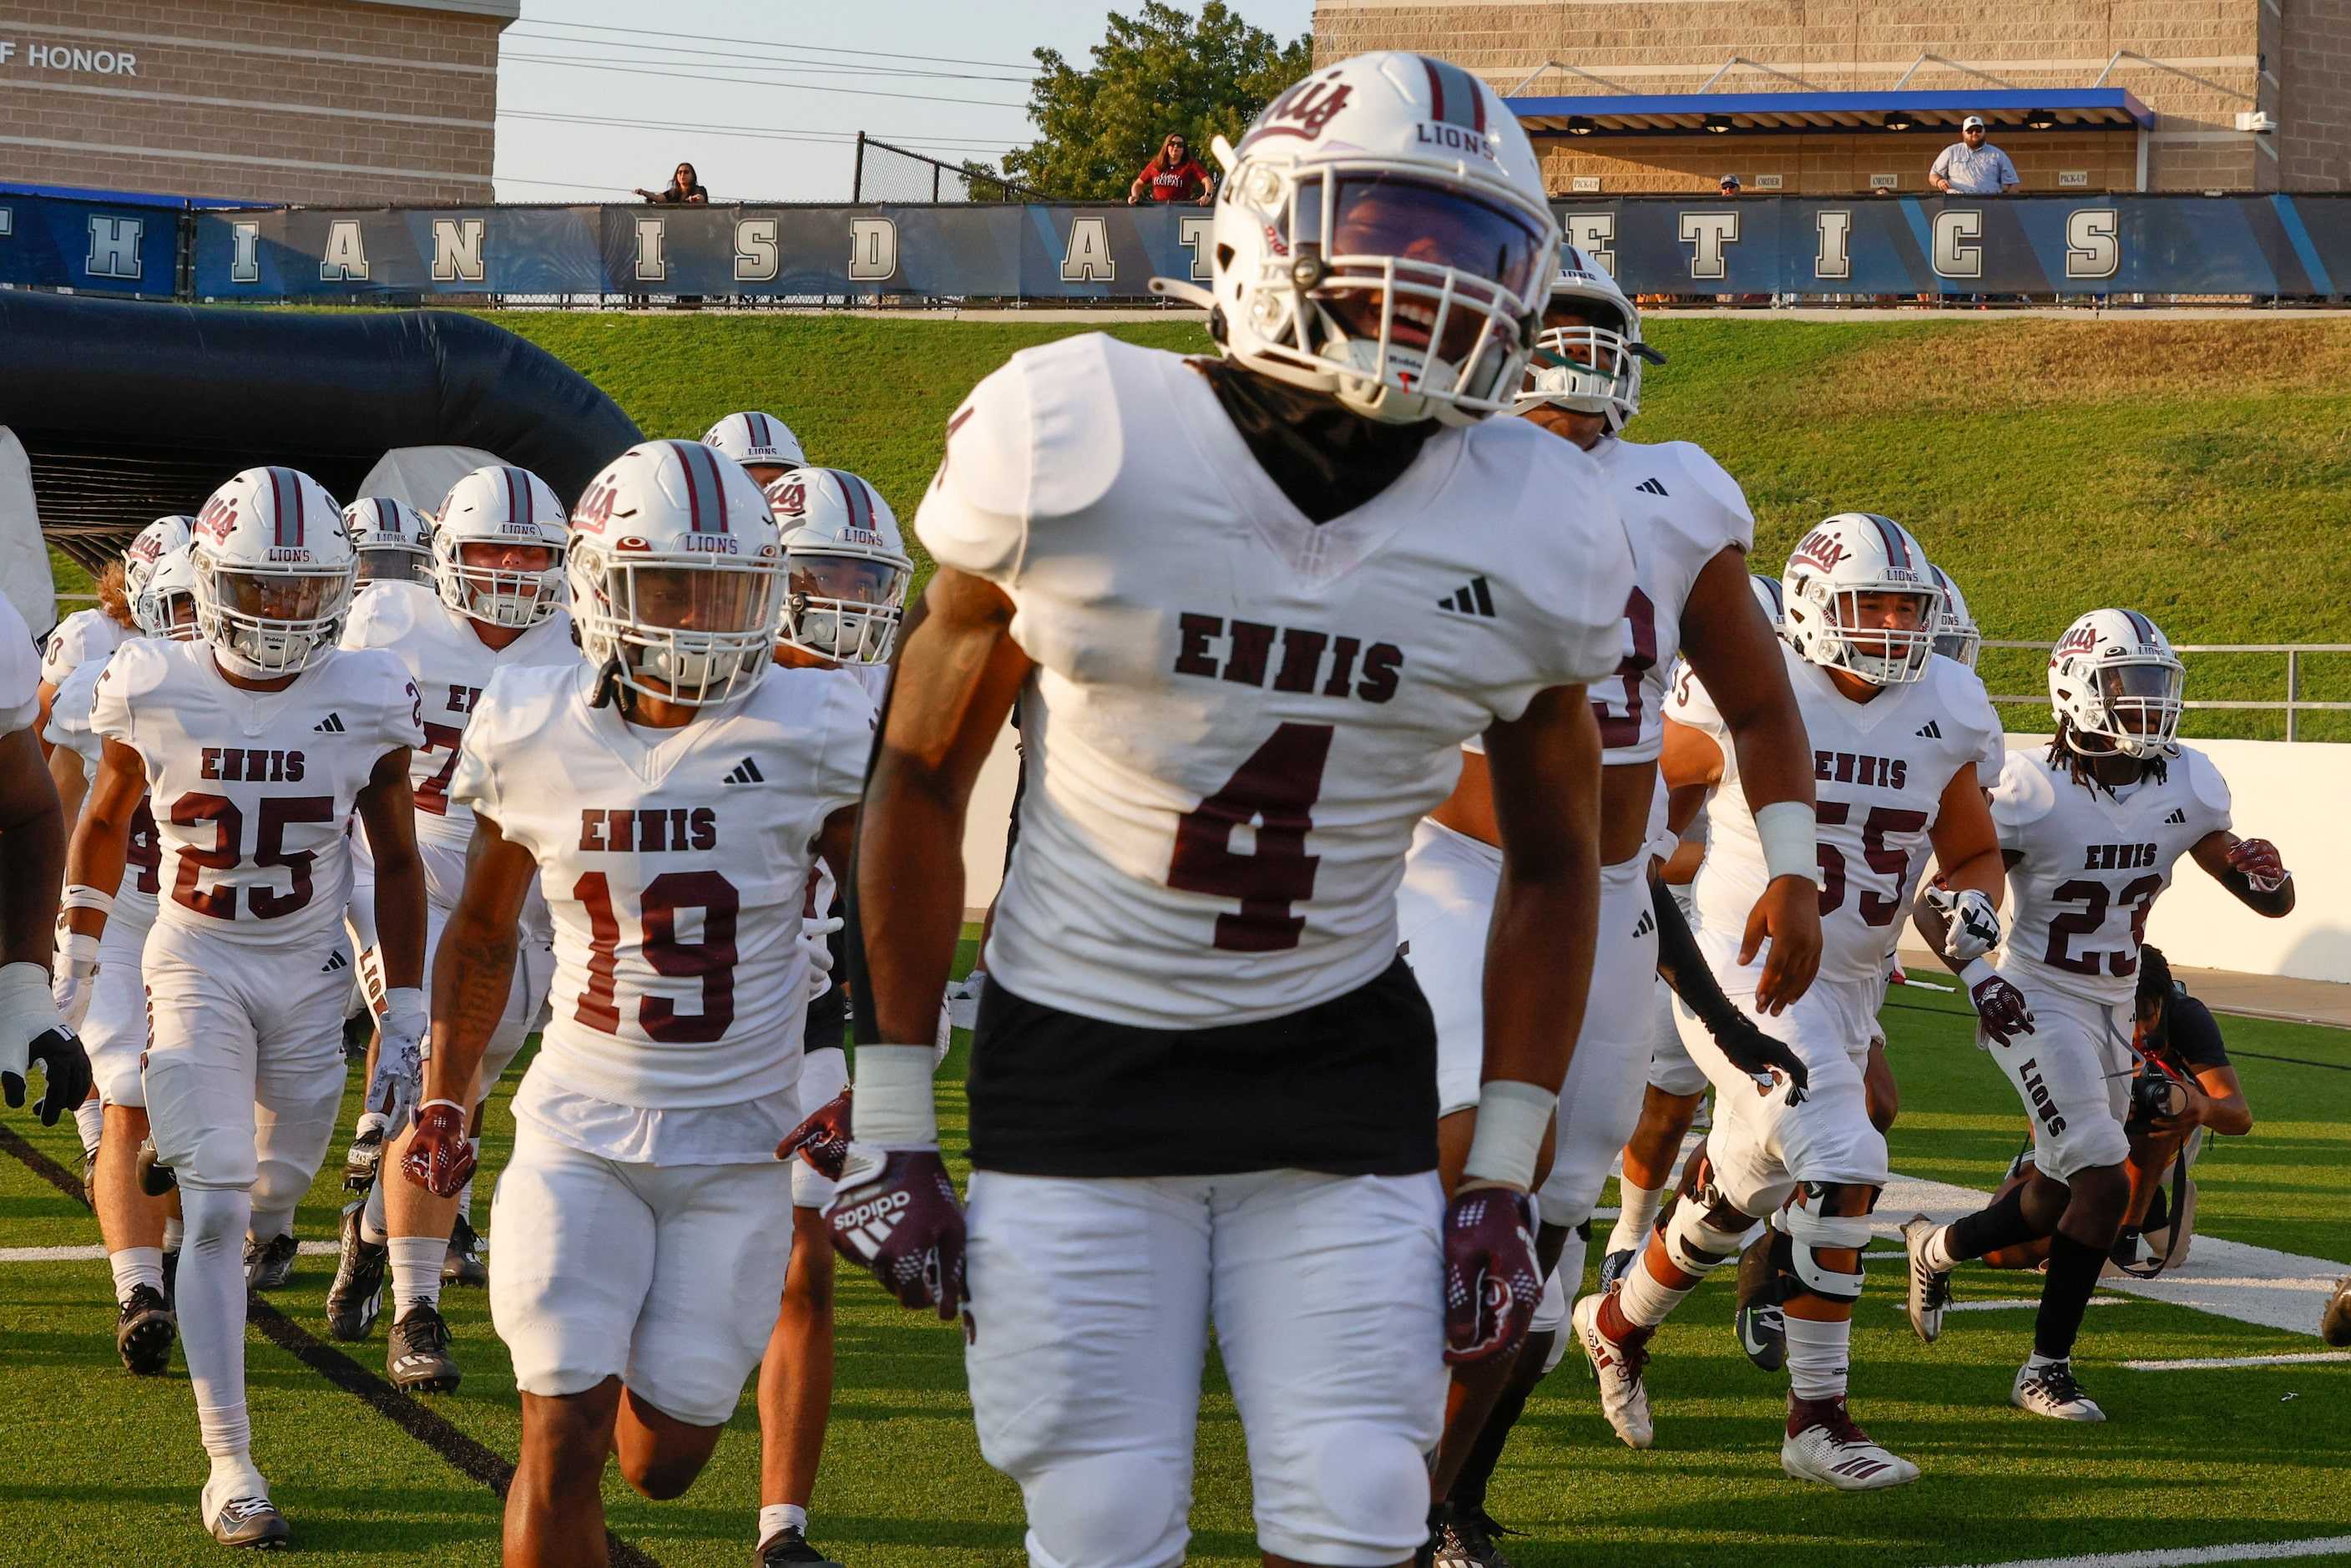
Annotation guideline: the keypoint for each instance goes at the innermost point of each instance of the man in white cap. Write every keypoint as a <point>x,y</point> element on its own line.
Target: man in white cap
<point>1972,166</point>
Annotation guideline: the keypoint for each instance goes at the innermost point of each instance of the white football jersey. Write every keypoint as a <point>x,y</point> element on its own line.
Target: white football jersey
<point>675,863</point>
<point>2094,866</point>
<point>20,672</point>
<point>1238,715</point>
<point>84,635</point>
<point>69,716</point>
<point>1879,769</point>
<point>452,667</point>
<point>1681,510</point>
<point>252,791</point>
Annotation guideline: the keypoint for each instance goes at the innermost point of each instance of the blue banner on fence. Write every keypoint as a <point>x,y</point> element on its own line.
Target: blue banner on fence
<point>2263,246</point>
<point>94,248</point>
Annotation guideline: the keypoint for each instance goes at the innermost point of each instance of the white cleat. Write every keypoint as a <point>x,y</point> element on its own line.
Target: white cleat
<point>1617,1364</point>
<point>1824,1445</point>
<point>2050,1391</point>
<point>1930,1289</point>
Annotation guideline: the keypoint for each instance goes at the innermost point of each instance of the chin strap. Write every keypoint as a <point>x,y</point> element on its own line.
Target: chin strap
<point>612,691</point>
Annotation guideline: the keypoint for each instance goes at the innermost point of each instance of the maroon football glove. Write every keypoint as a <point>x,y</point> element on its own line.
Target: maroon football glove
<point>1492,1280</point>
<point>896,1213</point>
<point>822,1140</point>
<point>440,1156</point>
<point>2257,860</point>
<point>2000,1008</point>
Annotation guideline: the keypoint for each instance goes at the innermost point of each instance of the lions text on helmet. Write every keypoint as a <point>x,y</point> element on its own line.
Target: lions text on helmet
<point>273,572</point>
<point>674,571</point>
<point>1383,236</point>
<point>846,564</point>
<point>394,539</point>
<point>763,444</point>
<point>498,551</point>
<point>1859,597</point>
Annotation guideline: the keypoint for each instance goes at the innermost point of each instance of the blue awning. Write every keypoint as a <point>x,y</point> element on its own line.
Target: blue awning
<point>1682,113</point>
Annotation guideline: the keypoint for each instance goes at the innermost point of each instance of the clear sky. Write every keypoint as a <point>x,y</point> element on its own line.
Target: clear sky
<point>596,97</point>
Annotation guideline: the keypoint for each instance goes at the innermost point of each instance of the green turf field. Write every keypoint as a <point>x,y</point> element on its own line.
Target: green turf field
<point>106,1466</point>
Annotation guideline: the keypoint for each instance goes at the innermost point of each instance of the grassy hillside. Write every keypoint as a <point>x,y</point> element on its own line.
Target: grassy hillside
<point>2196,470</point>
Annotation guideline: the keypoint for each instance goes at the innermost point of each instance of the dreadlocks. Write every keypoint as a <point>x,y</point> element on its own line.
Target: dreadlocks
<point>2062,753</point>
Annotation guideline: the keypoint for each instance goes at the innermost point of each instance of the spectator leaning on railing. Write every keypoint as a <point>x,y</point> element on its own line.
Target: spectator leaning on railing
<point>1171,174</point>
<point>685,188</point>
<point>1972,166</point>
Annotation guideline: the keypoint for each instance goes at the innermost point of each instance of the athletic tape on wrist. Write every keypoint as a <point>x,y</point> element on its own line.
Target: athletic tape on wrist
<point>1512,1120</point>
<point>407,1000</point>
<point>78,946</point>
<point>1975,972</point>
<point>80,896</point>
<point>893,1106</point>
<point>1792,840</point>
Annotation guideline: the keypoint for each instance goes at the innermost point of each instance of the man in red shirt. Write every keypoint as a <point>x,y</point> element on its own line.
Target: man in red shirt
<point>1171,173</point>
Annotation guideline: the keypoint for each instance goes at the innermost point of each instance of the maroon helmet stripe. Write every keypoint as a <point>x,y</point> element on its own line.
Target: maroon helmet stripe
<point>706,496</point>
<point>2144,627</point>
<point>1896,547</point>
<point>281,480</point>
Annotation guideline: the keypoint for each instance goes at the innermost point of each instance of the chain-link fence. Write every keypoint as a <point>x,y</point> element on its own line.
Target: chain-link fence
<point>891,173</point>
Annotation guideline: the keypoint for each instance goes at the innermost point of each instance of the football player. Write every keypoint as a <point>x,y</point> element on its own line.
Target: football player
<point>258,744</point>
<point>846,570</point>
<point>1896,733</point>
<point>94,633</point>
<point>763,445</point>
<point>394,540</point>
<point>644,1220</point>
<point>100,991</point>
<point>494,601</point>
<point>1690,530</point>
<point>32,861</point>
<point>1250,607</point>
<point>2090,831</point>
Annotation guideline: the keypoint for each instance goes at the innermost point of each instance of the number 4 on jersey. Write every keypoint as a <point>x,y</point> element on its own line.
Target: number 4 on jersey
<point>1273,792</point>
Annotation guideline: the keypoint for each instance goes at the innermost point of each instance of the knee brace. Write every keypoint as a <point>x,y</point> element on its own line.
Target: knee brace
<point>1699,1238</point>
<point>1108,1510</point>
<point>1808,1232</point>
<point>1371,1484</point>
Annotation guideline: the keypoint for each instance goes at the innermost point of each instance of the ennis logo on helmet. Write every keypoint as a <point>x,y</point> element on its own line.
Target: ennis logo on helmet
<point>1303,110</point>
<point>1821,550</point>
<point>2079,640</point>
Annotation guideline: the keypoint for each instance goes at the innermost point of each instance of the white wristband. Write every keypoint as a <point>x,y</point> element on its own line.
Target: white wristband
<point>893,1106</point>
<point>406,1001</point>
<point>78,896</point>
<point>1792,840</point>
<point>78,947</point>
<point>1513,1117</point>
<point>1975,972</point>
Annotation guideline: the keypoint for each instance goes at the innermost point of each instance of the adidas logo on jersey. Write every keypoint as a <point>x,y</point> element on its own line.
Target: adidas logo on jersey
<point>1933,729</point>
<point>1647,923</point>
<point>1472,599</point>
<point>334,961</point>
<point>330,725</point>
<point>1652,486</point>
<point>746,772</point>
<point>2179,818</point>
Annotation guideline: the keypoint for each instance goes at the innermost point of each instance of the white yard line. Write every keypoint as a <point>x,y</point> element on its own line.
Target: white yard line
<point>2005,1303</point>
<point>95,1254</point>
<point>2187,1556</point>
<point>2218,1363</point>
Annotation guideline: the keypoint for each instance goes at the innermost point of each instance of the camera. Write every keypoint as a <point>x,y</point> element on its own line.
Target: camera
<point>2154,1093</point>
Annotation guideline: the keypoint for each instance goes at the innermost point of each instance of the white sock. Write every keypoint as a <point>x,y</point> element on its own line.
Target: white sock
<point>466,1201</point>
<point>89,1119</point>
<point>416,1263</point>
<point>1644,1301</point>
<point>234,1475</point>
<point>135,1266</point>
<point>2037,1361</point>
<point>1819,1355</point>
<point>1571,1255</point>
<point>210,1301</point>
<point>174,1232</point>
<point>1935,1250</point>
<point>1637,1217</point>
<point>775,1517</point>
<point>372,1221</point>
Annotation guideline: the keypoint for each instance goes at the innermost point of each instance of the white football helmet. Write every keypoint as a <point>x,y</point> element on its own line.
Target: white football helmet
<point>1843,559</point>
<point>394,539</point>
<point>491,512</point>
<point>166,604</point>
<point>676,575</point>
<point>151,544</point>
<point>756,441</point>
<point>1382,235</point>
<point>1957,635</point>
<point>847,566</point>
<point>1774,602</point>
<point>2114,675</point>
<point>273,572</point>
<point>1592,368</point>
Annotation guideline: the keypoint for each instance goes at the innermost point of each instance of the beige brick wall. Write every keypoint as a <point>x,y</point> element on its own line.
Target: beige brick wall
<point>1676,46</point>
<point>320,101</point>
<point>1822,165</point>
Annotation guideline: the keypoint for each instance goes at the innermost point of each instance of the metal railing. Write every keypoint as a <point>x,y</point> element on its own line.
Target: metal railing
<point>2294,704</point>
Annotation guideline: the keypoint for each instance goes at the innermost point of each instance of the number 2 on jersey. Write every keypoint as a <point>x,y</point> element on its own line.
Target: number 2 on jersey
<point>1274,791</point>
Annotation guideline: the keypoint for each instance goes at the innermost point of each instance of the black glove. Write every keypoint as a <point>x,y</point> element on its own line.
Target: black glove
<point>1735,1035</point>
<point>59,1056</point>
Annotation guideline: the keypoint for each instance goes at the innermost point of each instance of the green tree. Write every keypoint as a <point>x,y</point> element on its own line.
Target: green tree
<point>1159,71</point>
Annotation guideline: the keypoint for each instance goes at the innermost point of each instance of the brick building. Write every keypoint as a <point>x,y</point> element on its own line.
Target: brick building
<point>321,101</point>
<point>1810,98</point>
